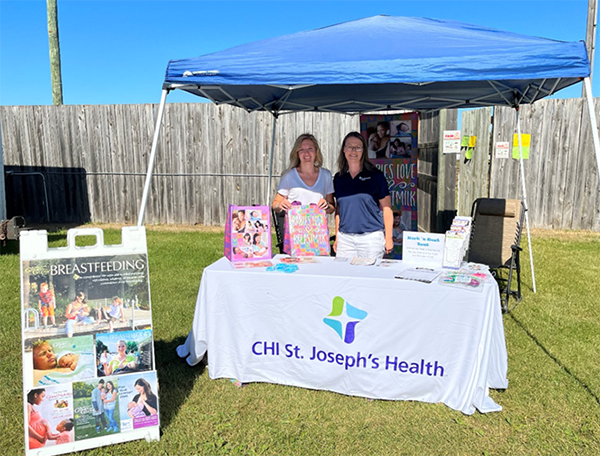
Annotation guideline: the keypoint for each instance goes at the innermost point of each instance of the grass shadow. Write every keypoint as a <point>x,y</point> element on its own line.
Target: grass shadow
<point>555,359</point>
<point>176,377</point>
<point>9,247</point>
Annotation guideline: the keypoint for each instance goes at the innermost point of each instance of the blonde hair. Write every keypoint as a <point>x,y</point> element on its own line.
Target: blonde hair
<point>295,160</point>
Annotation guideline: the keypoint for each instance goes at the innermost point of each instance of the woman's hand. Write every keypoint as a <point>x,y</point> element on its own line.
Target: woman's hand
<point>323,204</point>
<point>389,245</point>
<point>284,205</point>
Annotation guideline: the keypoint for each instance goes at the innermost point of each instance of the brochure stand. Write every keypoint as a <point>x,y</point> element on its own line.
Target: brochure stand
<point>89,375</point>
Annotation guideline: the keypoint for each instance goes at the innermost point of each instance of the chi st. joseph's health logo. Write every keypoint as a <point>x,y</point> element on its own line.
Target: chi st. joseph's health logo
<point>343,319</point>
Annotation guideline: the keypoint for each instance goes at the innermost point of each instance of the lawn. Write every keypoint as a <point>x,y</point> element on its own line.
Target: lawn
<point>552,404</point>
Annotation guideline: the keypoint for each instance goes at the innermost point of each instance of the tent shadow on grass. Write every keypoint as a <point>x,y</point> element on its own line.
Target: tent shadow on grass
<point>176,378</point>
<point>554,359</point>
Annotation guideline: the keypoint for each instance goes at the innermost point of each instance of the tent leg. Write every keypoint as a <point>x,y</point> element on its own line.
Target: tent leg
<point>161,109</point>
<point>268,197</point>
<point>590,102</point>
<point>525,200</point>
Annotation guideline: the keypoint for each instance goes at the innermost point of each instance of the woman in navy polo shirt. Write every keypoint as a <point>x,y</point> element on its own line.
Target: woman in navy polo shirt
<point>363,219</point>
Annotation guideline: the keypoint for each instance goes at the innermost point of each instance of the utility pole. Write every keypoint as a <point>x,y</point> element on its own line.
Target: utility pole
<point>590,36</point>
<point>57,96</point>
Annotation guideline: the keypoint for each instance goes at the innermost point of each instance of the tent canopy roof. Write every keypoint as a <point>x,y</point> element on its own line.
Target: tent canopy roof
<point>384,62</point>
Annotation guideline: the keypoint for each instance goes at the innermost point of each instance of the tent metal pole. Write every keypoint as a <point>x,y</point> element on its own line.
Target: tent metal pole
<point>268,197</point>
<point>163,100</point>
<point>525,200</point>
<point>590,102</point>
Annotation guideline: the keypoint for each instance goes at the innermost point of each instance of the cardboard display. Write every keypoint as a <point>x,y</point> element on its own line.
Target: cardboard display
<point>87,343</point>
<point>248,233</point>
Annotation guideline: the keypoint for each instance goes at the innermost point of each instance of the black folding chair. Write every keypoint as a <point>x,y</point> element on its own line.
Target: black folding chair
<point>495,241</point>
<point>278,221</point>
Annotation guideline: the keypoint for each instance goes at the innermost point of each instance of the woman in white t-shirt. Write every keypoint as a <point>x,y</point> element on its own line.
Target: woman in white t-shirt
<point>305,181</point>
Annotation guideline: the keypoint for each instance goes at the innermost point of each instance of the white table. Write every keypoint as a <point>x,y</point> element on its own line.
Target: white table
<point>412,340</point>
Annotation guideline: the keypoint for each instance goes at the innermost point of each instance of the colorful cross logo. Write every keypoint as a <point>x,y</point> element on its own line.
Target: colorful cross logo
<point>344,323</point>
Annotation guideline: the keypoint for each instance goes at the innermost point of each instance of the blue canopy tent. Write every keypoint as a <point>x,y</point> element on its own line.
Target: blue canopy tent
<point>384,62</point>
<point>381,63</point>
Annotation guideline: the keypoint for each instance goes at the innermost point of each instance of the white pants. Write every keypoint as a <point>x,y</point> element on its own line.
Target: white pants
<point>365,245</point>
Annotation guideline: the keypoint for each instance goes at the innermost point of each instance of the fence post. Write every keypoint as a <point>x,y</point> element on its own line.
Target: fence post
<point>446,178</point>
<point>2,187</point>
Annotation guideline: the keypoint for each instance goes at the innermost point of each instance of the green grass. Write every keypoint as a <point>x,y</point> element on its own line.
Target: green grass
<point>552,404</point>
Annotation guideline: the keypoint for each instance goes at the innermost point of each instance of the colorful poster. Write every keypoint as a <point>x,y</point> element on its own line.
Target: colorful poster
<point>471,147</point>
<point>124,352</point>
<point>52,361</point>
<point>139,402</point>
<point>393,148</point>
<point>525,143</point>
<point>90,295</point>
<point>49,417</point>
<point>96,405</point>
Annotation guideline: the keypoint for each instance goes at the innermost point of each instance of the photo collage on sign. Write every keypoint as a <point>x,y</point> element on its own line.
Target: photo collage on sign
<point>88,348</point>
<point>250,233</point>
<point>392,146</point>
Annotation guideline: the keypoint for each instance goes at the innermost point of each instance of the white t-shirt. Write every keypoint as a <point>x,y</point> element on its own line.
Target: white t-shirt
<point>292,186</point>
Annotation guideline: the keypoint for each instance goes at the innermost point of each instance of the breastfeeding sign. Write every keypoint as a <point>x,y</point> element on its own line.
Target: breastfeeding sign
<point>423,249</point>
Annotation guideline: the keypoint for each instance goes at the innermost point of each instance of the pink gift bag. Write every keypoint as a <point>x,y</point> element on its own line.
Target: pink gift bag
<point>248,233</point>
<point>305,231</point>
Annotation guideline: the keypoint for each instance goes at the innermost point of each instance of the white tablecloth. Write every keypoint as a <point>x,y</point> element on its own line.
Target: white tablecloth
<point>354,330</point>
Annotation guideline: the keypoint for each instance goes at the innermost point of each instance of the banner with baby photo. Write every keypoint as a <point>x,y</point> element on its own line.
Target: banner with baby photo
<point>86,321</point>
<point>392,146</point>
<point>248,233</point>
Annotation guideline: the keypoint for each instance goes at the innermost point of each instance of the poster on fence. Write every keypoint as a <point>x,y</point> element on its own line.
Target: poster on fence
<point>392,146</point>
<point>86,332</point>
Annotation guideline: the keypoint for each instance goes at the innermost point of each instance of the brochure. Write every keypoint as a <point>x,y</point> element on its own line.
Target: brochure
<point>358,261</point>
<point>425,275</point>
<point>251,264</point>
<point>298,260</point>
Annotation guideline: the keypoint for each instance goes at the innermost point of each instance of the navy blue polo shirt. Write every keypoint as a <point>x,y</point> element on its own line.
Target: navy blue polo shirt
<point>358,201</point>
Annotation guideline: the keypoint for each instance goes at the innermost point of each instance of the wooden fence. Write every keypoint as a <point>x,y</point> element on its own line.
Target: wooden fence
<point>88,163</point>
<point>75,164</point>
<point>561,174</point>
<point>436,173</point>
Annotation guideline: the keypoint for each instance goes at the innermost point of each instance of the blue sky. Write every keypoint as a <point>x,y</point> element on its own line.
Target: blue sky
<point>116,52</point>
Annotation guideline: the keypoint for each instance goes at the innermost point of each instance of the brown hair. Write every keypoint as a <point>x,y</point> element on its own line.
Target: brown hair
<point>364,159</point>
